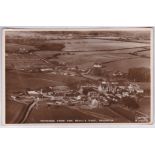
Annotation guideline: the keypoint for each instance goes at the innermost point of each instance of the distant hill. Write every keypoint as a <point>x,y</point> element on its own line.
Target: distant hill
<point>46,35</point>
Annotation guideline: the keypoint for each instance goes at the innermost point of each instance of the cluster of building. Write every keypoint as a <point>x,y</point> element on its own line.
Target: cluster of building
<point>92,95</point>
<point>103,93</point>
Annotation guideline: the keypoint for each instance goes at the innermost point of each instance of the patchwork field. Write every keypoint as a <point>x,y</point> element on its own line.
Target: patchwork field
<point>84,53</point>
<point>27,52</point>
<point>115,55</point>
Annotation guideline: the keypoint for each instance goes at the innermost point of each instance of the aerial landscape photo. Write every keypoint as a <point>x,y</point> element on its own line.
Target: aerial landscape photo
<point>78,76</point>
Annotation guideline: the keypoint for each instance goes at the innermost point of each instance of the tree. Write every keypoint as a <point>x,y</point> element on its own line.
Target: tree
<point>139,74</point>
<point>130,102</point>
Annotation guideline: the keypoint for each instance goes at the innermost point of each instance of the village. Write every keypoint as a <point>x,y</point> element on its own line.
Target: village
<point>95,94</point>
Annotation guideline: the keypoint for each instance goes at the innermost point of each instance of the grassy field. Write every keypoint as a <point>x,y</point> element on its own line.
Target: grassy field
<point>21,80</point>
<point>124,65</point>
<point>20,61</point>
<point>84,53</point>
<point>14,111</point>
<point>13,47</point>
<point>145,107</point>
<point>44,113</point>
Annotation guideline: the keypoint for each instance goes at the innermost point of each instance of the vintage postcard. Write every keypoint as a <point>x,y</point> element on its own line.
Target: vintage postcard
<point>78,75</point>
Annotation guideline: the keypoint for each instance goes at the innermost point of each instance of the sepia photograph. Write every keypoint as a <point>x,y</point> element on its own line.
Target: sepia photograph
<point>78,75</point>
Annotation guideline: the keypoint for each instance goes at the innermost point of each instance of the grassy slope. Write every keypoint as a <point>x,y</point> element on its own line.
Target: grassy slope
<point>21,80</point>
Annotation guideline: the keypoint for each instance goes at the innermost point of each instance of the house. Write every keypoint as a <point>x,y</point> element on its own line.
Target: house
<point>13,97</point>
<point>46,69</point>
<point>65,73</point>
<point>72,74</point>
<point>139,91</point>
<point>58,103</point>
<point>23,50</point>
<point>125,93</point>
<point>78,97</point>
<point>131,88</point>
<point>53,73</point>
<point>97,65</point>
<point>114,83</point>
<point>104,87</point>
<point>121,87</point>
<point>100,89</point>
<point>33,93</point>
<point>118,95</point>
<point>93,94</point>
<point>86,89</point>
<point>117,73</point>
<point>93,104</point>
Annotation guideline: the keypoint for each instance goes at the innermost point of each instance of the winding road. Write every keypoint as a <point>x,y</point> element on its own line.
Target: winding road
<point>29,110</point>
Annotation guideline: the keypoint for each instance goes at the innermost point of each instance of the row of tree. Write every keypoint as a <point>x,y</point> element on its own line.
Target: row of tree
<point>139,74</point>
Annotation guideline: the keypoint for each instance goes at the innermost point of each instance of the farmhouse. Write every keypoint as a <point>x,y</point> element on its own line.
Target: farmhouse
<point>139,91</point>
<point>46,69</point>
<point>117,73</point>
<point>97,65</point>
<point>33,93</point>
<point>23,50</point>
